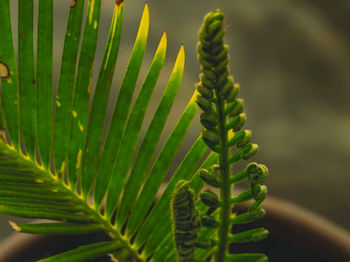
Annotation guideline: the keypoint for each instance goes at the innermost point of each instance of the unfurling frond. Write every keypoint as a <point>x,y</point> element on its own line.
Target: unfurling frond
<point>223,118</point>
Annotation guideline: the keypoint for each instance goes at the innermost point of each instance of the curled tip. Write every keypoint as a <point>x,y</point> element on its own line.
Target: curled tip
<point>252,235</point>
<point>182,184</point>
<point>257,173</point>
<point>208,243</point>
<point>210,199</point>
<point>208,120</point>
<point>249,151</point>
<point>259,192</point>
<point>209,221</point>
<point>209,178</point>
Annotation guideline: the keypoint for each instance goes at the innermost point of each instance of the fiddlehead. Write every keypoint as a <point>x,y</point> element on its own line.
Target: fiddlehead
<point>187,222</point>
<point>223,117</point>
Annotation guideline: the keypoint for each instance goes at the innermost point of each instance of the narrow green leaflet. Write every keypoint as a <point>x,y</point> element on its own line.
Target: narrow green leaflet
<point>86,252</point>
<point>164,249</point>
<point>44,89</point>
<point>66,84</point>
<point>56,228</point>
<point>149,143</point>
<point>161,165</point>
<point>96,122</point>
<point>26,80</point>
<point>79,114</point>
<point>44,213</point>
<point>8,75</point>
<point>133,127</point>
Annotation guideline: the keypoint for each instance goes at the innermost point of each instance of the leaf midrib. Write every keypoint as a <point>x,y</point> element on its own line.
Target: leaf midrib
<point>89,209</point>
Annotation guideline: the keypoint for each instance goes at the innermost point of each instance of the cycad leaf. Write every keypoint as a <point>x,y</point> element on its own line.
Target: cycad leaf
<point>26,79</point>
<point>166,154</point>
<point>8,74</point>
<point>132,130</point>
<point>96,121</point>
<point>149,144</point>
<point>44,79</point>
<point>86,252</point>
<point>79,114</point>
<point>66,84</point>
<point>56,228</point>
<point>111,146</point>
<point>82,164</point>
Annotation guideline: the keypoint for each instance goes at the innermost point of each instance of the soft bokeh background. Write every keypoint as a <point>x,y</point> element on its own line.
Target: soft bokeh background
<point>292,58</point>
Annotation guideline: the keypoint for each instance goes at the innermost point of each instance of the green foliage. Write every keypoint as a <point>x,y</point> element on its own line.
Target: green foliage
<point>87,172</point>
<point>223,117</point>
<point>64,171</point>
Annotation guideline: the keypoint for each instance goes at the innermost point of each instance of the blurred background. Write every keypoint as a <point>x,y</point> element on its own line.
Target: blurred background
<point>292,59</point>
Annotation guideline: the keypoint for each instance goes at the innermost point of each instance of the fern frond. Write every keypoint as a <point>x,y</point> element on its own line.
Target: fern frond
<point>223,117</point>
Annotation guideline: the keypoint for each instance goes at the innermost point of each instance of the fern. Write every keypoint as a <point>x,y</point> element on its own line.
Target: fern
<point>223,117</point>
<point>63,171</point>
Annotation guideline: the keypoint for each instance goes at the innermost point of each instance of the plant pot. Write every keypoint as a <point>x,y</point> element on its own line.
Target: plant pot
<point>296,235</point>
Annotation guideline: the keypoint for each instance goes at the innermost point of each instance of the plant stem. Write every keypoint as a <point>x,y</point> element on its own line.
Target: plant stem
<point>111,230</point>
<point>225,185</point>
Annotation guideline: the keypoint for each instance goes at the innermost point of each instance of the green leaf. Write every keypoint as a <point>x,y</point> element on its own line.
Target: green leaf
<point>165,249</point>
<point>56,228</point>
<point>66,84</point>
<point>149,144</point>
<point>44,86</point>
<point>26,80</point>
<point>131,133</point>
<point>8,74</point>
<point>44,213</point>
<point>97,117</point>
<point>168,152</point>
<point>82,91</point>
<point>86,252</point>
<point>47,205</point>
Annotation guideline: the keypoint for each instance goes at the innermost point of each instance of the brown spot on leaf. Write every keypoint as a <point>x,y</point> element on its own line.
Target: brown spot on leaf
<point>4,70</point>
<point>73,3</point>
<point>33,82</point>
<point>3,135</point>
<point>118,2</point>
